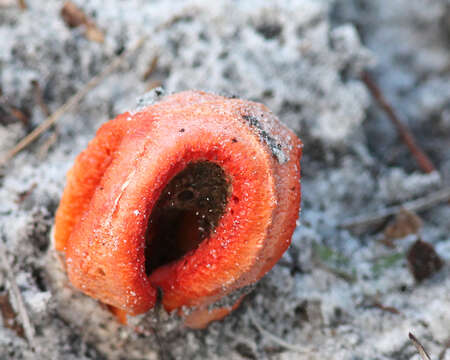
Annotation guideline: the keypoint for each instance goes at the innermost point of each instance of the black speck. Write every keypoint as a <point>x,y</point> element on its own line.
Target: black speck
<point>203,36</point>
<point>196,63</point>
<point>268,93</point>
<point>234,140</point>
<point>120,50</point>
<point>231,73</point>
<point>182,130</point>
<point>269,31</point>
<point>228,95</point>
<point>39,278</point>
<point>223,55</point>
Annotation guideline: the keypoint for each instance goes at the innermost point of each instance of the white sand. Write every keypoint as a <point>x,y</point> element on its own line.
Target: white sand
<point>300,58</point>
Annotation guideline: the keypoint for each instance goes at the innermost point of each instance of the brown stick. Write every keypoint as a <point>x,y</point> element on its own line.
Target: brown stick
<point>422,159</point>
<point>39,96</point>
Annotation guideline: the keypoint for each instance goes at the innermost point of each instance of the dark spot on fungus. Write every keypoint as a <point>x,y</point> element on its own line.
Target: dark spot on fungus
<point>274,146</point>
<point>182,130</point>
<point>252,120</point>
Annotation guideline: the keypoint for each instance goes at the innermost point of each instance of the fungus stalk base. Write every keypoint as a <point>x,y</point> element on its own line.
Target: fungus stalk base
<point>187,212</point>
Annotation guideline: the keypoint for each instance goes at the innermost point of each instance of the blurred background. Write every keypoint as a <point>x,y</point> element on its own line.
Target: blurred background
<point>365,85</point>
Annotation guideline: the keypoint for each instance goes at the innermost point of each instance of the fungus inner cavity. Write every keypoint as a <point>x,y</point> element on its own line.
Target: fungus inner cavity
<point>187,211</point>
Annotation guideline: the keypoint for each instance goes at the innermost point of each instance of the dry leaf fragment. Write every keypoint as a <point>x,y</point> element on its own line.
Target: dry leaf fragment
<point>9,316</point>
<point>405,223</point>
<point>24,194</point>
<point>10,113</point>
<point>423,260</point>
<point>93,33</point>
<point>73,16</point>
<point>22,4</point>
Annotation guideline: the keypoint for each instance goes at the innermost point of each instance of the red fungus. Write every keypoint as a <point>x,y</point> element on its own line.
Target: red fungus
<point>197,195</point>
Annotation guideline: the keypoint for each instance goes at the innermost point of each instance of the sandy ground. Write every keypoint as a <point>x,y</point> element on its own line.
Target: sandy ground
<point>338,293</point>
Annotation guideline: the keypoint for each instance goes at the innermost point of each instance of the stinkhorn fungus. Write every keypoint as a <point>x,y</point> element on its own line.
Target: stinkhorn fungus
<point>197,195</point>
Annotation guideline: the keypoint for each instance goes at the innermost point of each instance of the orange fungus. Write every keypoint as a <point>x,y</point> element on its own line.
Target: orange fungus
<point>197,195</point>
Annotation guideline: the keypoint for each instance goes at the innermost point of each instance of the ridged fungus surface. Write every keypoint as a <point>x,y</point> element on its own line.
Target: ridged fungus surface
<point>197,195</point>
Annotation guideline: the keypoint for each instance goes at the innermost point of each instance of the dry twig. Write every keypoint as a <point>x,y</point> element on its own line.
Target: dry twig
<point>70,104</point>
<point>276,339</point>
<point>420,204</point>
<point>44,149</point>
<point>10,113</point>
<point>21,308</point>
<point>39,96</point>
<point>444,350</point>
<point>389,309</point>
<point>151,68</point>
<point>52,139</point>
<point>420,349</point>
<point>162,344</point>
<point>422,159</point>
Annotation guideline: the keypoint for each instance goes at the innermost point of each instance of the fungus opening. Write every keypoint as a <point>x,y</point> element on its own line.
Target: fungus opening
<point>187,211</point>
